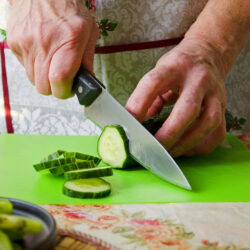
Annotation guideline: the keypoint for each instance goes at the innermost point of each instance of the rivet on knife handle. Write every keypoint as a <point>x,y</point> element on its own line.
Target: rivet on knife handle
<point>86,87</point>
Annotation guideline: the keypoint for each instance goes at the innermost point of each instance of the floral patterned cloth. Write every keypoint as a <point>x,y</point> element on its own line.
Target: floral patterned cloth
<point>120,22</point>
<point>180,226</point>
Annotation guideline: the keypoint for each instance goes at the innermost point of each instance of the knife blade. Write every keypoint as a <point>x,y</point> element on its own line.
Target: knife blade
<point>103,109</point>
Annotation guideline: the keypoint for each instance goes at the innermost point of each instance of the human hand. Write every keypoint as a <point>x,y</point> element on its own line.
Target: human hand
<point>192,75</point>
<point>52,39</point>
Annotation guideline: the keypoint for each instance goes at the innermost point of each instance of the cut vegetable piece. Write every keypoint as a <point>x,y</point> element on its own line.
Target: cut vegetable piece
<point>52,163</point>
<point>6,206</point>
<point>5,243</point>
<point>54,155</point>
<point>88,173</point>
<point>81,156</point>
<point>20,223</point>
<point>113,147</point>
<point>16,246</point>
<point>14,234</point>
<point>87,188</point>
<point>81,164</point>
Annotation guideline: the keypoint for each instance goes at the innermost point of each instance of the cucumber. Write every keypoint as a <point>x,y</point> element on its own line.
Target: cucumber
<point>152,124</point>
<point>16,246</point>
<point>14,234</point>
<point>20,223</point>
<point>81,156</point>
<point>88,173</point>
<point>54,155</point>
<point>5,243</point>
<point>81,164</point>
<point>87,188</point>
<point>6,206</point>
<point>113,147</point>
<point>53,163</point>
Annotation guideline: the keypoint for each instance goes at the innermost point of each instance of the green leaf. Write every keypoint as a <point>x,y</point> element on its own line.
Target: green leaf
<point>242,120</point>
<point>87,3</point>
<point>132,237</point>
<point>121,230</point>
<point>111,26</point>
<point>138,215</point>
<point>104,21</point>
<point>3,32</point>
<point>104,33</point>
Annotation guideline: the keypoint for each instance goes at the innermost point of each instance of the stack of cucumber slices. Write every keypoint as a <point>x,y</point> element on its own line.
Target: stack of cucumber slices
<point>82,171</point>
<point>14,227</point>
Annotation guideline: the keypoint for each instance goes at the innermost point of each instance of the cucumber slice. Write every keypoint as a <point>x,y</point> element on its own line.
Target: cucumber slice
<point>81,164</point>
<point>113,147</point>
<point>81,156</point>
<point>5,243</point>
<point>20,223</point>
<point>54,155</point>
<point>6,206</point>
<point>87,188</point>
<point>53,163</point>
<point>88,173</point>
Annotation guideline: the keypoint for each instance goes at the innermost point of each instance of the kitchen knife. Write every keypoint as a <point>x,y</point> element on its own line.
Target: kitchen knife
<point>102,109</point>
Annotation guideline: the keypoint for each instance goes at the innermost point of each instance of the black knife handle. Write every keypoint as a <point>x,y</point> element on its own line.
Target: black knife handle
<point>86,87</point>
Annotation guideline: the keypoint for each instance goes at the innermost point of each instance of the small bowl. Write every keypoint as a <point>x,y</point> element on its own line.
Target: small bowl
<point>46,238</point>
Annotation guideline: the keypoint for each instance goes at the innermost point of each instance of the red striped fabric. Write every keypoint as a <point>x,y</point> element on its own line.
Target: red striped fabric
<point>137,46</point>
<point>6,98</point>
<point>98,50</point>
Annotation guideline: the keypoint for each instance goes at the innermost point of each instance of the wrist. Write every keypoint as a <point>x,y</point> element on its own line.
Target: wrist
<point>224,28</point>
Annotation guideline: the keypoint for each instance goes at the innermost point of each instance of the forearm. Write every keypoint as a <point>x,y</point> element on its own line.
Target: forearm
<point>225,26</point>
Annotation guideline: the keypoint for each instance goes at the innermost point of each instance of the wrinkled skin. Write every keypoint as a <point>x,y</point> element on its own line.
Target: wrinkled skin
<point>190,76</point>
<point>52,39</point>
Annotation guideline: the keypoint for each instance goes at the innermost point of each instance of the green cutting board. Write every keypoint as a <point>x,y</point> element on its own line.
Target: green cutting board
<point>222,176</point>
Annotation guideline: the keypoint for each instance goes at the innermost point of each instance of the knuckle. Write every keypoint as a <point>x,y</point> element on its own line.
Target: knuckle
<point>58,76</point>
<point>76,26</point>
<point>214,119</point>
<point>43,89</point>
<point>153,80</point>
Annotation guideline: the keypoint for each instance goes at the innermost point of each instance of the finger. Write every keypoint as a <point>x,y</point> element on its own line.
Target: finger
<point>170,97</point>
<point>207,122</point>
<point>166,99</point>
<point>153,84</point>
<point>42,75</point>
<point>156,107</point>
<point>88,56</point>
<point>28,63</point>
<point>211,142</point>
<point>63,67</point>
<point>185,112</point>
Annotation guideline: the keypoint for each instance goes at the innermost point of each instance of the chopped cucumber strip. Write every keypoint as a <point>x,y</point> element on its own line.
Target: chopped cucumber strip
<point>20,223</point>
<point>81,156</point>
<point>5,243</point>
<point>81,164</point>
<point>54,155</point>
<point>53,163</point>
<point>87,188</point>
<point>88,173</point>
<point>113,147</point>
<point>6,206</point>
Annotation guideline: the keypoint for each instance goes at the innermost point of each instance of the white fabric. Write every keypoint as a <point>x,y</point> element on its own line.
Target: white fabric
<point>137,21</point>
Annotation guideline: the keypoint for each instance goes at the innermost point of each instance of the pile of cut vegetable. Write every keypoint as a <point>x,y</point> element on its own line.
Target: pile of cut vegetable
<point>82,171</point>
<point>14,227</point>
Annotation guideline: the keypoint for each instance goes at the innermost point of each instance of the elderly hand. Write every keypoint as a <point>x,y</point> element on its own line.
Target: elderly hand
<point>52,39</point>
<point>192,74</point>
